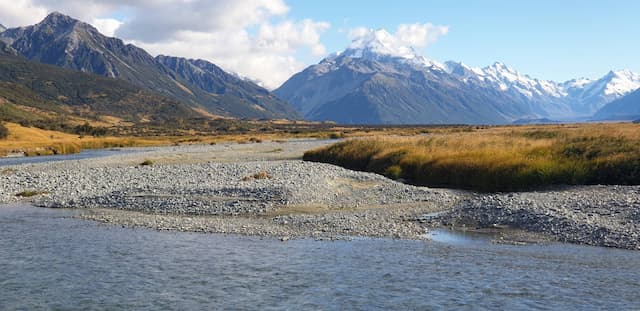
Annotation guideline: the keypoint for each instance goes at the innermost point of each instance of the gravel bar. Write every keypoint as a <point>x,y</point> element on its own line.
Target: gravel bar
<point>265,189</point>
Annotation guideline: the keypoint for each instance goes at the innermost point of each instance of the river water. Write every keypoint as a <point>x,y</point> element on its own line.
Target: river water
<point>51,261</point>
<point>85,154</point>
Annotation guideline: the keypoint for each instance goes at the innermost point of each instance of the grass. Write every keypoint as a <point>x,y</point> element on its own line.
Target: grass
<point>30,193</point>
<point>499,158</point>
<point>259,175</point>
<point>37,141</point>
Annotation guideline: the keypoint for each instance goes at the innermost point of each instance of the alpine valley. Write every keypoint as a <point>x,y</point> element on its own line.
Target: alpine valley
<point>377,80</point>
<point>62,65</point>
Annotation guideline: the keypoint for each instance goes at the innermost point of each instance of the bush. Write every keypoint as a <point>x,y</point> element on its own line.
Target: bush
<point>4,132</point>
<point>146,163</point>
<point>393,172</point>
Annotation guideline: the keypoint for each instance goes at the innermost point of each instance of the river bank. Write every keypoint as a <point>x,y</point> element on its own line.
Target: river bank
<point>265,189</point>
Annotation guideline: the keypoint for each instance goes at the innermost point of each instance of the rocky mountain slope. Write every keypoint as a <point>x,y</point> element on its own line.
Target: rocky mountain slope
<point>376,80</point>
<point>66,42</point>
<point>626,108</point>
<point>229,88</point>
<point>31,91</point>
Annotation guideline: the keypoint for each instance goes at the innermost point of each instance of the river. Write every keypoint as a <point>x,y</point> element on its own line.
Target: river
<point>84,154</point>
<point>52,261</point>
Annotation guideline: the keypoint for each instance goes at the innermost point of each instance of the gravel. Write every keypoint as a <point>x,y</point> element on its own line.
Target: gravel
<point>213,189</point>
<point>592,215</point>
<point>188,191</point>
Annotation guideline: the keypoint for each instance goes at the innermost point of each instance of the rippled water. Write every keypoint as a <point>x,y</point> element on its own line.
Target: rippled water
<point>51,261</point>
<point>85,154</point>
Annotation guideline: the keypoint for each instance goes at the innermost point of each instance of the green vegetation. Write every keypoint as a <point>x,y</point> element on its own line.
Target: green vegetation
<point>499,159</point>
<point>33,92</point>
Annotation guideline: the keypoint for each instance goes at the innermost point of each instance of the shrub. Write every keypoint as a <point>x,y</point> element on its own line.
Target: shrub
<point>4,132</point>
<point>393,172</point>
<point>146,163</point>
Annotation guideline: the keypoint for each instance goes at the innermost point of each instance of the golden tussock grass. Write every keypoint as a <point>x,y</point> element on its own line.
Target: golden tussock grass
<point>499,158</point>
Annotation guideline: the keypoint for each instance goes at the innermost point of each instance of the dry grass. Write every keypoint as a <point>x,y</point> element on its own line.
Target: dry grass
<point>34,141</point>
<point>499,158</point>
<point>30,193</point>
<point>259,175</point>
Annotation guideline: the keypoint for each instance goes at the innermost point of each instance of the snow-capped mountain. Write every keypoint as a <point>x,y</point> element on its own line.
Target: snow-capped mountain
<point>381,45</point>
<point>587,96</point>
<point>2,28</point>
<point>410,88</point>
<point>572,99</point>
<point>625,108</point>
<point>378,80</point>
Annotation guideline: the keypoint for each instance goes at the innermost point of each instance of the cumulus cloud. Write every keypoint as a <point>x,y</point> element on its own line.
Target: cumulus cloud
<point>254,38</point>
<point>20,12</point>
<point>420,35</point>
<point>106,26</point>
<point>415,35</point>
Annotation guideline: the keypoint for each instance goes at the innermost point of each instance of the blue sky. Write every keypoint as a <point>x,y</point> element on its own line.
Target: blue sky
<point>557,40</point>
<point>270,40</point>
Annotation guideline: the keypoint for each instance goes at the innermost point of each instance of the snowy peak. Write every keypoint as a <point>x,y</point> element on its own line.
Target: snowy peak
<point>501,70</point>
<point>620,83</point>
<point>377,43</point>
<point>380,45</point>
<point>505,79</point>
<point>2,28</point>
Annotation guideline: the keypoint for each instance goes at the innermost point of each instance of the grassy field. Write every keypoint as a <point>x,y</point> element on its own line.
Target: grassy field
<point>34,141</point>
<point>499,158</point>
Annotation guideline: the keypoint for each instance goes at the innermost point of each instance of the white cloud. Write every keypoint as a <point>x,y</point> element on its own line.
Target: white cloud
<point>414,35</point>
<point>255,38</point>
<point>359,32</point>
<point>16,13</point>
<point>420,35</point>
<point>107,26</point>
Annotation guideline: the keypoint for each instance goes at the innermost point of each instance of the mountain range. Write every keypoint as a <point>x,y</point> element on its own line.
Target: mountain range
<point>31,91</point>
<point>68,43</point>
<point>375,80</point>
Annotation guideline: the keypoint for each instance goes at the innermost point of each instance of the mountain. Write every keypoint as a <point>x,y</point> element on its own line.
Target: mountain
<point>578,98</point>
<point>377,81</point>
<point>587,96</point>
<point>2,28</point>
<point>544,98</point>
<point>35,91</point>
<point>7,50</point>
<point>625,108</point>
<point>230,88</point>
<point>66,42</point>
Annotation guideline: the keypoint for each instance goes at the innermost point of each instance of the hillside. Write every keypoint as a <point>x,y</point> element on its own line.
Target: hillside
<point>626,108</point>
<point>33,91</point>
<point>68,43</point>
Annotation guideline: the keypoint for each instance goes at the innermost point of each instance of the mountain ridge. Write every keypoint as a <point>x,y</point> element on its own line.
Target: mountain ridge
<point>69,43</point>
<point>34,91</point>
<point>510,94</point>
